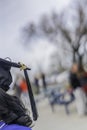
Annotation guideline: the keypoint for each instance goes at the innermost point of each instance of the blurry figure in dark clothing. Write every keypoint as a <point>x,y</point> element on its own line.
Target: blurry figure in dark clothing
<point>17,89</point>
<point>44,81</point>
<point>74,80</point>
<point>77,90</point>
<point>36,82</point>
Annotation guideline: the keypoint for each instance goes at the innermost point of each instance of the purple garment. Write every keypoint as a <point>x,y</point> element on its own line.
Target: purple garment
<point>4,126</point>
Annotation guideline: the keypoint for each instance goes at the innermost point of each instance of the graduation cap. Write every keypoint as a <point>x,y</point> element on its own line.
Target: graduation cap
<point>6,80</point>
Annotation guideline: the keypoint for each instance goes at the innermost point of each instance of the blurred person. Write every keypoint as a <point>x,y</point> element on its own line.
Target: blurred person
<point>83,80</point>
<point>59,98</point>
<point>17,89</point>
<point>44,81</point>
<point>36,83</point>
<point>23,85</point>
<point>24,90</point>
<point>13,114</point>
<point>77,90</point>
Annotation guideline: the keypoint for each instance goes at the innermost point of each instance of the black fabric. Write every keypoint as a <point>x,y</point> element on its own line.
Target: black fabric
<point>5,77</point>
<point>9,117</point>
<point>24,120</point>
<point>74,81</point>
<point>12,111</point>
<point>13,118</point>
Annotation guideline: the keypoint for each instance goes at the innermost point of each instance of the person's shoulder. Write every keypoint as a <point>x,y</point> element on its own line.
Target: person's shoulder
<point>16,127</point>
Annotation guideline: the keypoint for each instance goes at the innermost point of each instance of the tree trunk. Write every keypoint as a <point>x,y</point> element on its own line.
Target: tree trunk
<point>74,56</point>
<point>80,62</point>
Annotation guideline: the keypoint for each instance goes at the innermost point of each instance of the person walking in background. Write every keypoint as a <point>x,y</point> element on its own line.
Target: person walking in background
<point>77,90</point>
<point>23,85</point>
<point>24,95</point>
<point>36,83</point>
<point>44,81</point>
<point>16,87</point>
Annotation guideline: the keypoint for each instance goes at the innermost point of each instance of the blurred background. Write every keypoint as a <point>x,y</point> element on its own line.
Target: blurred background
<point>50,36</point>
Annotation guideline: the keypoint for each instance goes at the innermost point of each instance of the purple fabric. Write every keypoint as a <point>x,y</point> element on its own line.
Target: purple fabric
<point>3,126</point>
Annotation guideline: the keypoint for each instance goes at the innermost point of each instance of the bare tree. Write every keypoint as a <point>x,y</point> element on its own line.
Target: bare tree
<point>77,36</point>
<point>68,28</point>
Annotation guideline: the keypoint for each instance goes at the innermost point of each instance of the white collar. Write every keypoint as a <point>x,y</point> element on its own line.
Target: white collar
<point>2,125</point>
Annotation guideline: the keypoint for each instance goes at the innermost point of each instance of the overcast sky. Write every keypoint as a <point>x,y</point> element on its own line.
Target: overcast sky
<point>14,14</point>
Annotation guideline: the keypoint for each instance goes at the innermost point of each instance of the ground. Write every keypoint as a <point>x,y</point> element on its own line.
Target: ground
<point>59,120</point>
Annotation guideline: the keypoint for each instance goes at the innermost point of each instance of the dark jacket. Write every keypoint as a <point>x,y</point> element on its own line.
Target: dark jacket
<point>74,80</point>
